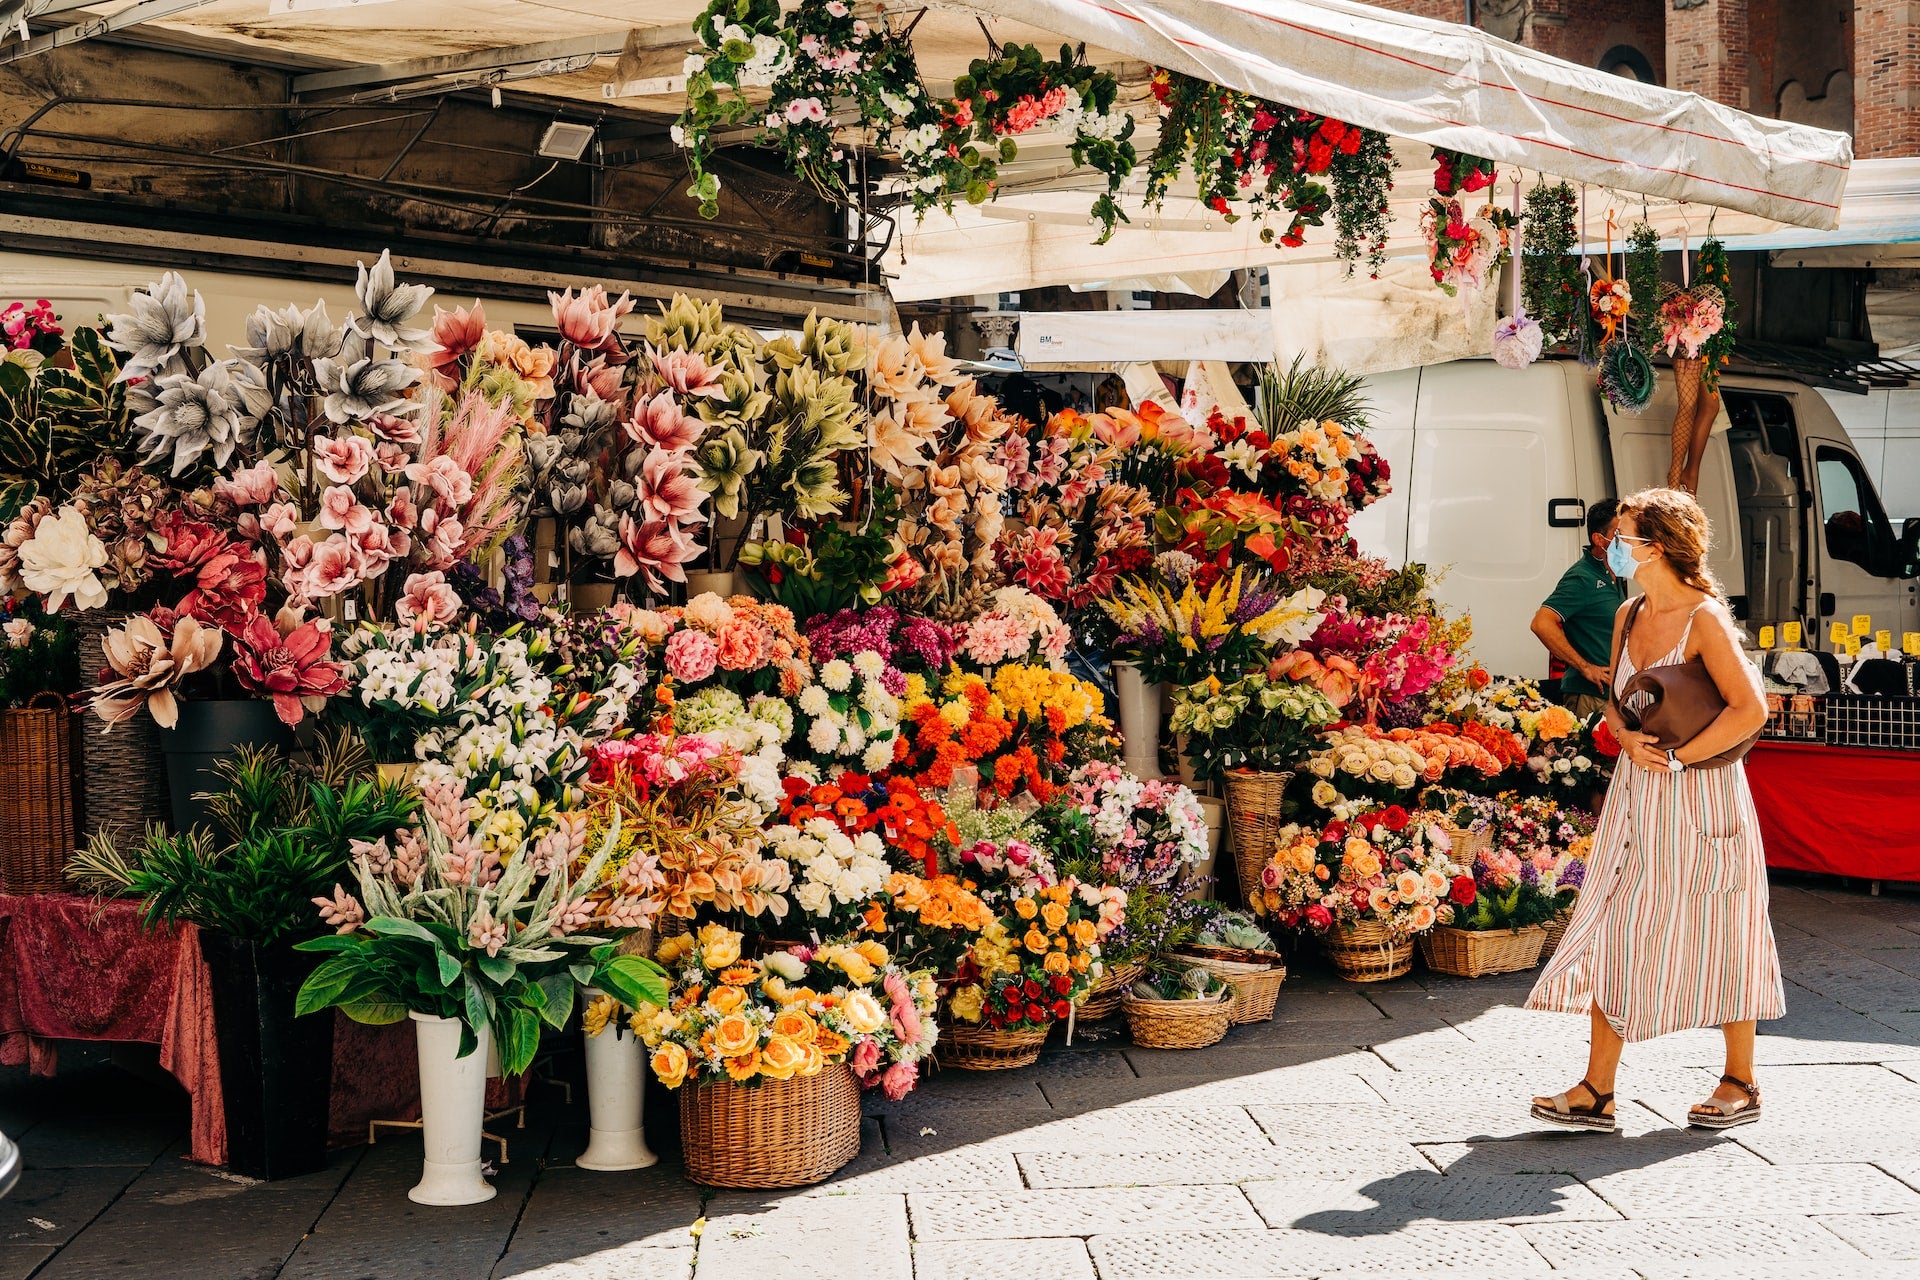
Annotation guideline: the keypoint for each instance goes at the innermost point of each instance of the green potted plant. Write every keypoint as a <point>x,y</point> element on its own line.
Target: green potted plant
<point>279,833</point>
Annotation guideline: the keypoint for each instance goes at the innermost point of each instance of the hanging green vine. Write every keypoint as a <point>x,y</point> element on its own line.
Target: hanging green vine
<point>1714,269</point>
<point>1550,275</point>
<point>1643,280</point>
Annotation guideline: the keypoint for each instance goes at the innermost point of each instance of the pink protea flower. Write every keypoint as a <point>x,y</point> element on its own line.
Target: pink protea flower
<point>289,666</point>
<point>589,319</point>
<point>668,489</point>
<point>657,421</point>
<point>687,373</point>
<point>427,601</point>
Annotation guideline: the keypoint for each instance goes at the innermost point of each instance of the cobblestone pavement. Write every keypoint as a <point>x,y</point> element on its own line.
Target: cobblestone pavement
<point>1367,1131</point>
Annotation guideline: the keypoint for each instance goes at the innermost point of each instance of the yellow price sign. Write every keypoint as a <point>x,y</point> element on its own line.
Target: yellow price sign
<point>1766,637</point>
<point>1862,624</point>
<point>1883,640</point>
<point>1839,634</point>
<point>1790,634</point>
<point>1853,646</point>
<point>1910,643</point>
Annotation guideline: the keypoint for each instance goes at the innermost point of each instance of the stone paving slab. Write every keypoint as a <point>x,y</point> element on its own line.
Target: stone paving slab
<point>1333,1156</point>
<point>1730,1244</point>
<point>1425,1198</point>
<point>1706,1192</point>
<point>1123,1130</point>
<point>18,1261</point>
<point>1455,1121</point>
<point>1084,1211</point>
<point>1884,1236</point>
<point>54,1205</point>
<point>760,1234</point>
<point>1851,1269</point>
<point>1322,1087</point>
<point>1055,1259</point>
<point>616,1262</point>
<point>1229,1061</point>
<point>1589,1155</point>
<point>1483,1250</point>
<point>1356,1032</point>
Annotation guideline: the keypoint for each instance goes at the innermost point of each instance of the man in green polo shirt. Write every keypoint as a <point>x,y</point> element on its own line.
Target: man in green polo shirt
<point>1576,622</point>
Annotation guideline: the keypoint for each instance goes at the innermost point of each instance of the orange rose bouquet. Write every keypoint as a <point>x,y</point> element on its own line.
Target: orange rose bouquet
<point>1386,866</point>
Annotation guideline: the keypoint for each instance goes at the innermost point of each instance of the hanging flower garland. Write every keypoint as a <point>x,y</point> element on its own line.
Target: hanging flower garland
<point>1551,268</point>
<point>1457,173</point>
<point>1714,271</point>
<point>958,151</point>
<point>1643,283</point>
<point>1246,150</point>
<point>1462,251</point>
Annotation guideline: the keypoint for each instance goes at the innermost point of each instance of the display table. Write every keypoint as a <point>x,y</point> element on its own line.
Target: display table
<point>73,970</point>
<point>1844,811</point>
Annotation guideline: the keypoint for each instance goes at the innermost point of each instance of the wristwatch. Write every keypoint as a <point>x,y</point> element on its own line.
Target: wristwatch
<point>1673,763</point>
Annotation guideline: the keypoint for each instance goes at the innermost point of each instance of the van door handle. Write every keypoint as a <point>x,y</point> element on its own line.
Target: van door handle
<point>1557,517</point>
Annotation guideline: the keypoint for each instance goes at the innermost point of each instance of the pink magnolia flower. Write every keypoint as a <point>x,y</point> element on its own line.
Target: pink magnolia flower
<point>687,373</point>
<point>379,547</point>
<point>250,487</point>
<point>333,567</point>
<point>343,459</point>
<point>457,332</point>
<point>446,539</point>
<point>668,490</point>
<point>602,379</point>
<point>401,513</point>
<point>290,667</point>
<point>390,456</point>
<point>340,510</point>
<point>427,601</point>
<point>691,656</point>
<point>445,478</point>
<point>279,520</point>
<point>588,320</point>
<point>658,422</point>
<point>657,548</point>
<point>389,429</point>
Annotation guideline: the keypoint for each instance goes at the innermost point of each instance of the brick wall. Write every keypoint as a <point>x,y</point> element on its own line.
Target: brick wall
<point>1886,78</point>
<point>1581,31</point>
<point>1708,51</point>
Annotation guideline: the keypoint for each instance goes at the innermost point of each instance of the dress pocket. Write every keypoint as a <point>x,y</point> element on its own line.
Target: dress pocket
<point>1723,865</point>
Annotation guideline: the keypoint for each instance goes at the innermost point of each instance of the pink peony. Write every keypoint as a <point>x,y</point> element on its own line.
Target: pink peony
<point>427,601</point>
<point>250,487</point>
<point>742,647</point>
<point>343,459</point>
<point>340,510</point>
<point>898,1080</point>
<point>691,656</point>
<point>445,478</point>
<point>866,1056</point>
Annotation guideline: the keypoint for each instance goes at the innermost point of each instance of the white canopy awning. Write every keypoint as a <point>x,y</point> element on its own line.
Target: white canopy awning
<point>1454,86</point>
<point>1109,339</point>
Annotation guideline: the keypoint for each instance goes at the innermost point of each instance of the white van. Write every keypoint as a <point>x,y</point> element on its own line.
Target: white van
<point>1493,469</point>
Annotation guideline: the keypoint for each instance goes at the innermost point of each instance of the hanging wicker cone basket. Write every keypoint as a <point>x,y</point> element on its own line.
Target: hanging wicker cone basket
<point>1103,1000</point>
<point>968,1046</point>
<point>1467,845</point>
<point>36,795</point>
<point>1177,1024</point>
<point>1475,953</point>
<point>780,1133</point>
<point>1367,952</point>
<point>1556,929</point>
<point>123,771</point>
<point>1256,977</point>
<point>1253,816</point>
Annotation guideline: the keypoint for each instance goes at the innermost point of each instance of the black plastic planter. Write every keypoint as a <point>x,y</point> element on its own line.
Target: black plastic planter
<point>276,1070</point>
<point>208,733</point>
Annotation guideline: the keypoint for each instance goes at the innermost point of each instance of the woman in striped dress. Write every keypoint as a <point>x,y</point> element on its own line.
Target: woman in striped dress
<point>1670,930</point>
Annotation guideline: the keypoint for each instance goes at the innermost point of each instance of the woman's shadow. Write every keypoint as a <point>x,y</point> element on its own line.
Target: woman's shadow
<point>1538,1177</point>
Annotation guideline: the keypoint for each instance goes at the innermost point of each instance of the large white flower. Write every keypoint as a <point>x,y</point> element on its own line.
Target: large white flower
<point>60,559</point>
<point>163,321</point>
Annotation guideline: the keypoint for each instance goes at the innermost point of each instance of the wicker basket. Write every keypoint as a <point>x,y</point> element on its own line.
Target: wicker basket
<point>1556,929</point>
<point>1475,953</point>
<point>1103,1000</point>
<point>781,1133</point>
<point>36,795</point>
<point>1467,845</point>
<point>123,772</point>
<point>1253,817</point>
<point>1176,1024</point>
<point>970,1047</point>
<point>1366,952</point>
<point>1256,977</point>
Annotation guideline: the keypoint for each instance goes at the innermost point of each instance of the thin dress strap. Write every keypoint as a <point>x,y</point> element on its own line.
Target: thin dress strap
<point>1686,631</point>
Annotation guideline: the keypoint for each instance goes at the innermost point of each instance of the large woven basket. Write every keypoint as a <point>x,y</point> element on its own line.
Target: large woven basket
<point>1475,953</point>
<point>36,795</point>
<point>1176,1024</point>
<point>1367,952</point>
<point>1253,817</point>
<point>1556,929</point>
<point>1103,1000</point>
<point>123,771</point>
<point>1256,977</point>
<point>781,1133</point>
<point>970,1046</point>
<point>1467,845</point>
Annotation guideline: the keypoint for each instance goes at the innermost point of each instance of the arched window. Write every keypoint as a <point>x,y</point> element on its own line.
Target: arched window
<point>1625,60</point>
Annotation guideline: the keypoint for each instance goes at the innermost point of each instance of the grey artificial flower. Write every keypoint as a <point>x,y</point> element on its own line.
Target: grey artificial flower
<point>591,415</point>
<point>357,386</point>
<point>621,495</point>
<point>162,322</point>
<point>388,306</point>
<point>542,453</point>
<point>310,335</point>
<point>599,537</point>
<point>571,486</point>
<point>217,410</point>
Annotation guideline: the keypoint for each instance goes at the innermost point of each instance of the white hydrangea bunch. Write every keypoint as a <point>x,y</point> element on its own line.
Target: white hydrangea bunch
<point>833,872</point>
<point>850,713</point>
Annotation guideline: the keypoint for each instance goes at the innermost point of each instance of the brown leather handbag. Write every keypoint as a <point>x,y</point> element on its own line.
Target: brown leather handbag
<point>1675,704</point>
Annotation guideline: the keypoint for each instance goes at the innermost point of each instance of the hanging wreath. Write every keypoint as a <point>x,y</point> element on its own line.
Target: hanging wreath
<point>959,152</point>
<point>1713,270</point>
<point>1626,376</point>
<point>1270,159</point>
<point>1457,173</point>
<point>1612,302</point>
<point>1643,282</point>
<point>1550,268</point>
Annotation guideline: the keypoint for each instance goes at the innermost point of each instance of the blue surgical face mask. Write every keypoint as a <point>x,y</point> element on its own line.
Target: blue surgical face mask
<point>1620,558</point>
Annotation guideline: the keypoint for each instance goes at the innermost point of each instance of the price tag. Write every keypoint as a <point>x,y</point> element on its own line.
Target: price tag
<point>1910,643</point>
<point>1790,634</point>
<point>1883,640</point>
<point>1853,646</point>
<point>1839,634</point>
<point>1862,624</point>
<point>350,610</point>
<point>1766,637</point>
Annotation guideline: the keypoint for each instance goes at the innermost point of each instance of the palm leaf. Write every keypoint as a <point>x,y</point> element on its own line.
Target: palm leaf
<point>1310,393</point>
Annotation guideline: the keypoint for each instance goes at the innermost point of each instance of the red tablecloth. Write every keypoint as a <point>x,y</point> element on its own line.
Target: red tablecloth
<point>1845,811</point>
<point>72,971</point>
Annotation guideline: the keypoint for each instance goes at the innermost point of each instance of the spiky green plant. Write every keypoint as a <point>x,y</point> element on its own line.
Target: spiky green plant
<point>1310,393</point>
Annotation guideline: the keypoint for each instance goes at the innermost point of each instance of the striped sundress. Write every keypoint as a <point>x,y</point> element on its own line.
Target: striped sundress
<point>1670,930</point>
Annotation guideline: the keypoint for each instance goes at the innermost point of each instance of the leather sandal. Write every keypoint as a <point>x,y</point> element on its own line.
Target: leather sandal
<point>1590,1117</point>
<point>1721,1115</point>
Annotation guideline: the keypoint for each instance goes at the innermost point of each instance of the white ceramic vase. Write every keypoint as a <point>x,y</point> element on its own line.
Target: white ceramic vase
<point>616,1089</point>
<point>1139,717</point>
<point>453,1108</point>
